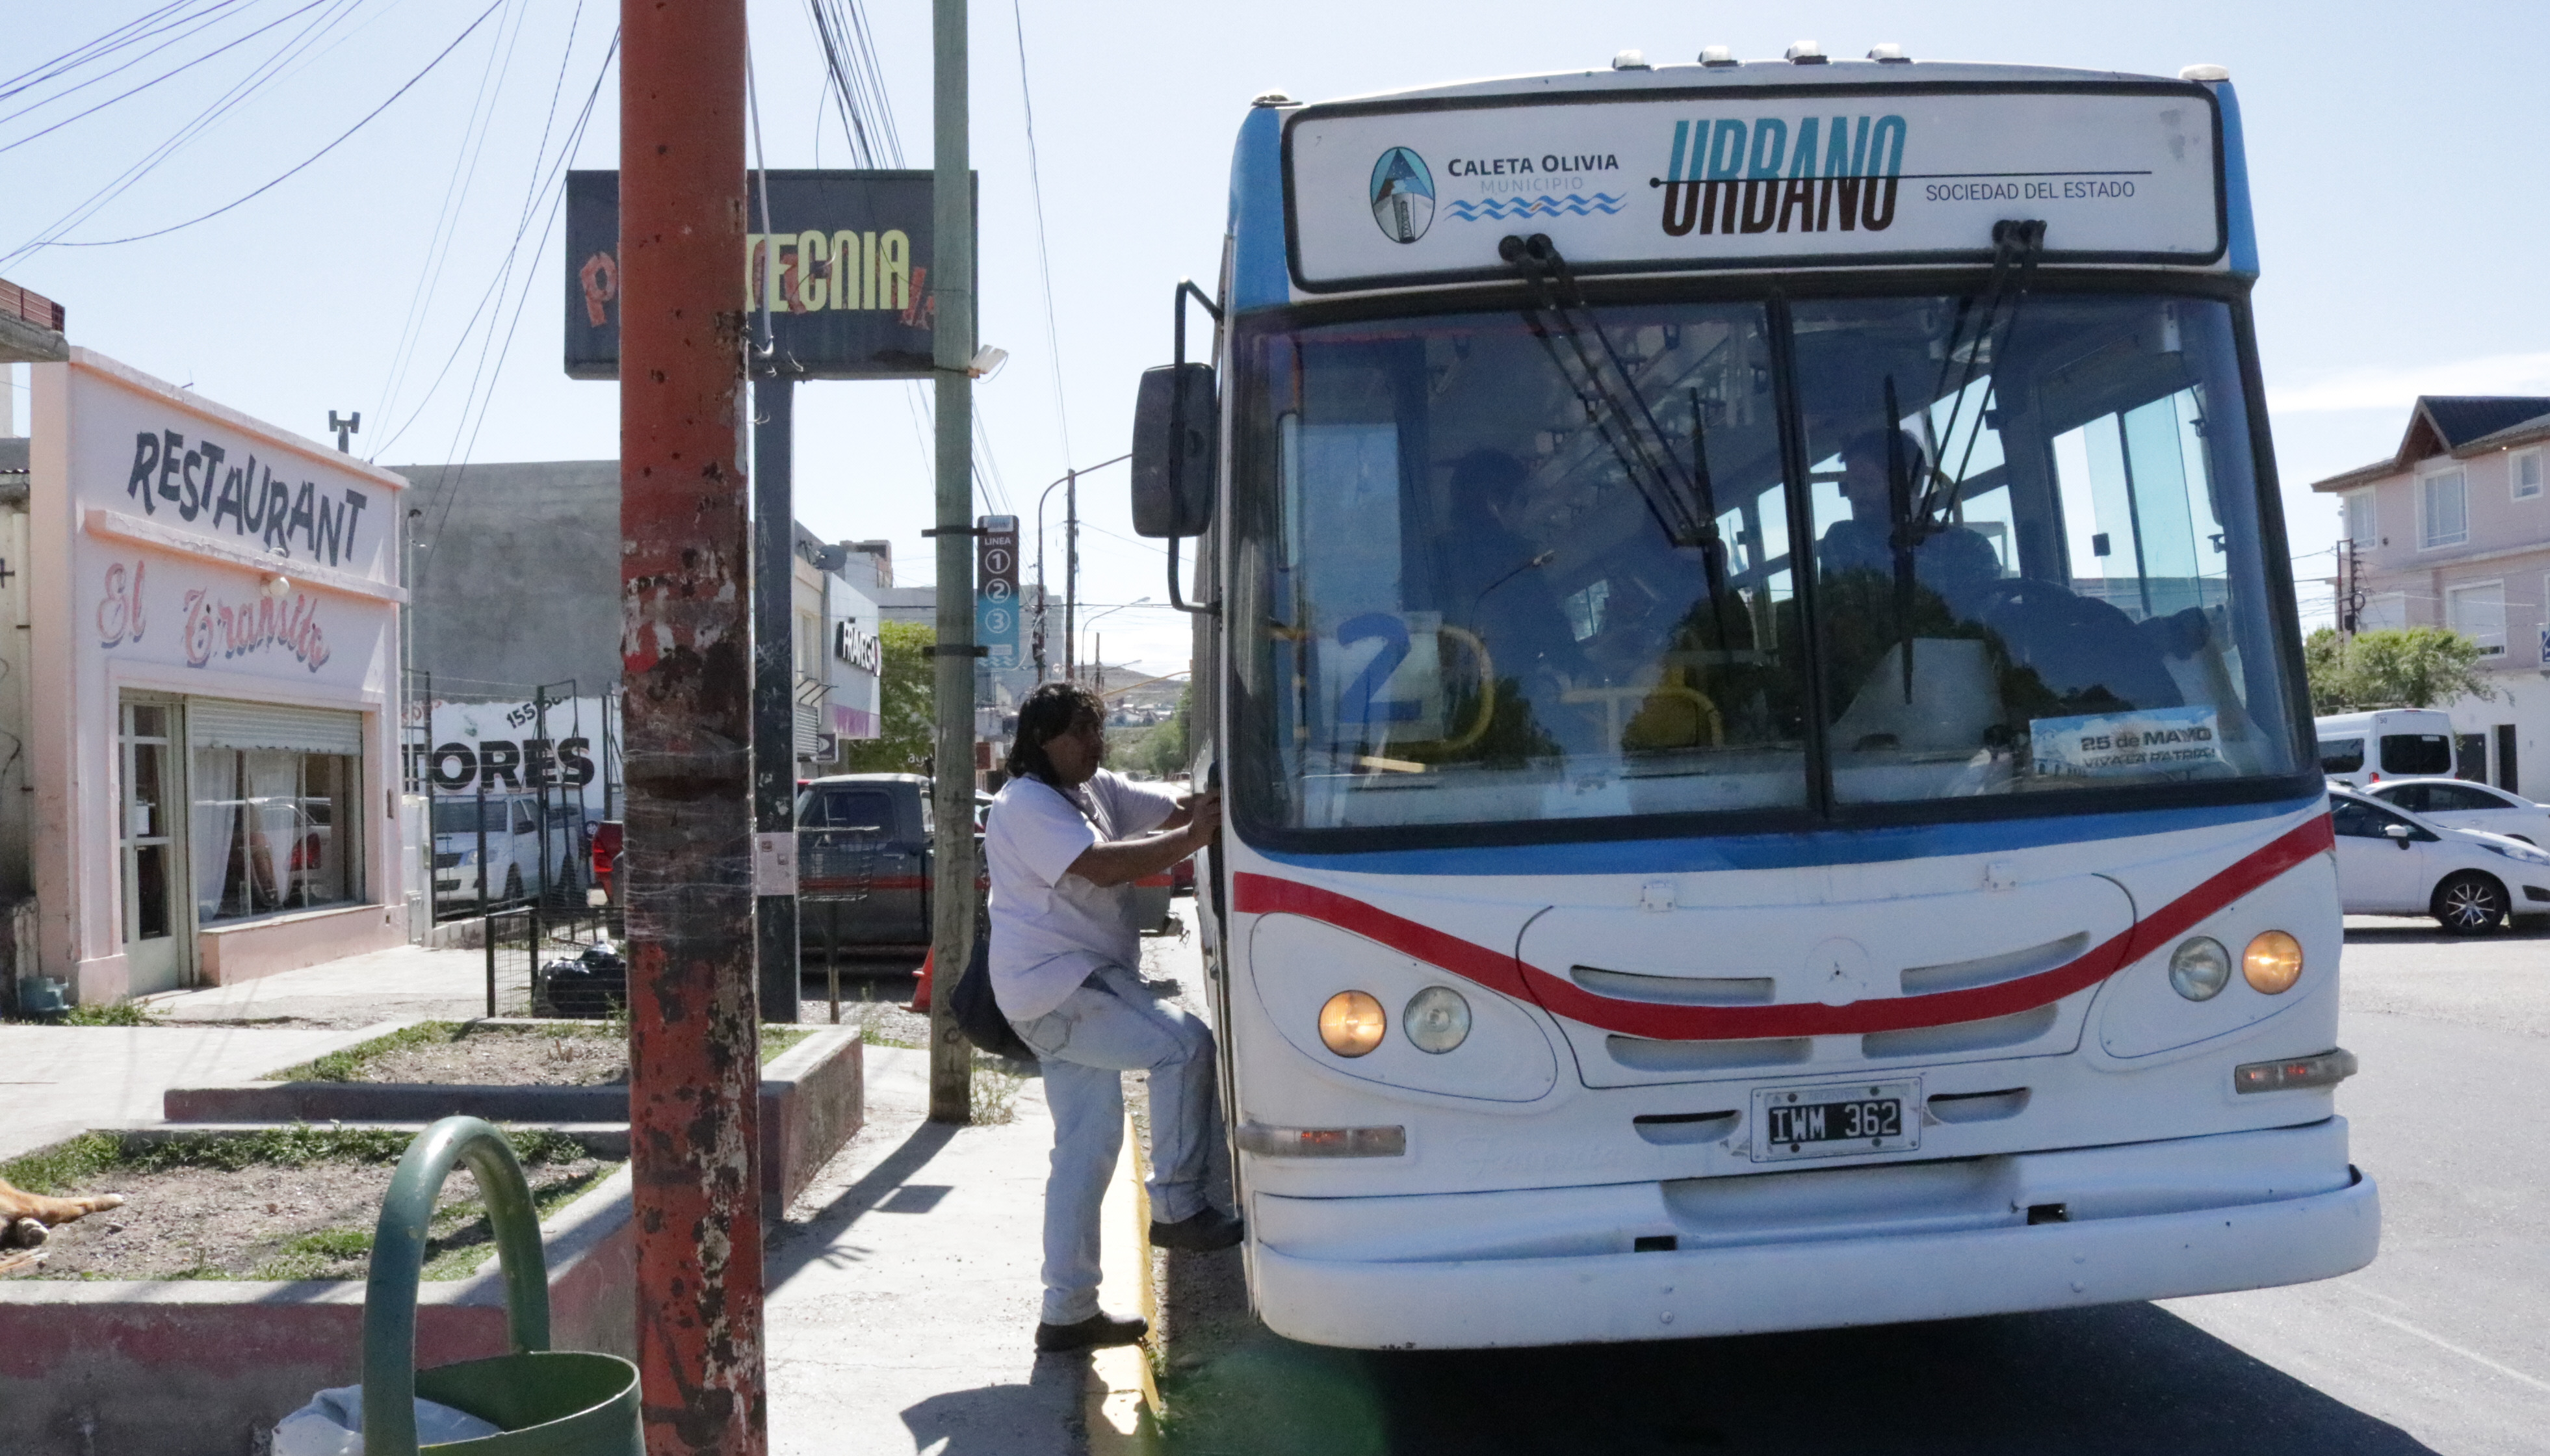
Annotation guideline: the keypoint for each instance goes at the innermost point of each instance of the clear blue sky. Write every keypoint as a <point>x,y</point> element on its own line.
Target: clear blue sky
<point>2392,153</point>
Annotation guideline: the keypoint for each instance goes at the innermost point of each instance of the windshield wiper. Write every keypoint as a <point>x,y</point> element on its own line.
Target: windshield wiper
<point>1919,514</point>
<point>2017,247</point>
<point>1653,468</point>
<point>1679,498</point>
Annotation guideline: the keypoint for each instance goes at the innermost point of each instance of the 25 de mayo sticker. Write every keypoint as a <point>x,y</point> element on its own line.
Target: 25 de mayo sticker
<point>1750,177</point>
<point>2105,744</point>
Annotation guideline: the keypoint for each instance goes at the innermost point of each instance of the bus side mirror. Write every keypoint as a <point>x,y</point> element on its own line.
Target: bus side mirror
<point>1177,433</point>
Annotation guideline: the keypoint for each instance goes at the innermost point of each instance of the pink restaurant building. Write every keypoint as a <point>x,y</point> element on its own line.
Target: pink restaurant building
<point>203,694</point>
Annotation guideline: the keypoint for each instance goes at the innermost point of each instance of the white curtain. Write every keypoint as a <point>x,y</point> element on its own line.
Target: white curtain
<point>218,790</point>
<point>274,829</point>
<point>275,848</point>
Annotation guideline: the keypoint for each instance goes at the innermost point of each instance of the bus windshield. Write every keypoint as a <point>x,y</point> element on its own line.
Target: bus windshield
<point>1538,564</point>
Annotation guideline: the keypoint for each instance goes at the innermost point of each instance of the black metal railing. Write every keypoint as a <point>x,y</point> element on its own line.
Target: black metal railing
<point>511,942</point>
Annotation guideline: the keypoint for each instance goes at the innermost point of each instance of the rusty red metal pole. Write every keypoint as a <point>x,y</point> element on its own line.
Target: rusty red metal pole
<point>687,654</point>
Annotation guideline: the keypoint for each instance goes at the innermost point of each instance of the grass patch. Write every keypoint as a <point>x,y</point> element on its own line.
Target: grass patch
<point>113,1013</point>
<point>460,1237</point>
<point>347,1065</point>
<point>458,1240</point>
<point>51,1171</point>
<point>58,1169</point>
<point>994,1091</point>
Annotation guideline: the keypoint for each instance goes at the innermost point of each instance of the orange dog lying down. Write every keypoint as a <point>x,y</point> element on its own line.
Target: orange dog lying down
<point>15,1206</point>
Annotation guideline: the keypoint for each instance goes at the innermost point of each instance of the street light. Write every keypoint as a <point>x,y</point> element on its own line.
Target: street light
<point>1071,561</point>
<point>1103,616</point>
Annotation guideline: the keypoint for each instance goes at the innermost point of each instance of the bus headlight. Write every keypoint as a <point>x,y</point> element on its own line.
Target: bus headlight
<point>1437,1020</point>
<point>2200,968</point>
<point>2272,963</point>
<point>1350,1024</point>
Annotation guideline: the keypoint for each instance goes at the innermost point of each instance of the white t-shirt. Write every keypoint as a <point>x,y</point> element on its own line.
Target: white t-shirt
<point>1051,927</point>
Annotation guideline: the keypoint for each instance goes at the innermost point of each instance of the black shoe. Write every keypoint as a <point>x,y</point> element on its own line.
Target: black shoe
<point>1201,1235</point>
<point>1096,1332</point>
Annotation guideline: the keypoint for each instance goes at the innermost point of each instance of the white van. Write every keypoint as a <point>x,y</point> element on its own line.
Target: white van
<point>2363,749</point>
<point>514,849</point>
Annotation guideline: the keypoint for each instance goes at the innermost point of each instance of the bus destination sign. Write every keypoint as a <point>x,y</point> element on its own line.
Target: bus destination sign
<point>2119,173</point>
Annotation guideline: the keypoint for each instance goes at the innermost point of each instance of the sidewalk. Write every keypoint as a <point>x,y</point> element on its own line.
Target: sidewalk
<point>904,1289</point>
<point>402,983</point>
<point>903,1307</point>
<point>60,1081</point>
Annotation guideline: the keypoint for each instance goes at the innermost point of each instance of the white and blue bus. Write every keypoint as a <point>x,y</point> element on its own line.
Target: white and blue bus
<point>1745,622</point>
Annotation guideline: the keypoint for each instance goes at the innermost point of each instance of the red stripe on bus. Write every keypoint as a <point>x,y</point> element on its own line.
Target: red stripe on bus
<point>1254,894</point>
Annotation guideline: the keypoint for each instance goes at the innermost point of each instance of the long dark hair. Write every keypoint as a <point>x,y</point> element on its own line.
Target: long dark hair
<point>1049,712</point>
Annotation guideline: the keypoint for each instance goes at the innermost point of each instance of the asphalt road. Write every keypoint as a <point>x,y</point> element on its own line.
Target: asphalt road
<point>2443,1344</point>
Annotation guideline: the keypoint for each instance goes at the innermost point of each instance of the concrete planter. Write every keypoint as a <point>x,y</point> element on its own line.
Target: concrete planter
<point>206,1367</point>
<point>811,1105</point>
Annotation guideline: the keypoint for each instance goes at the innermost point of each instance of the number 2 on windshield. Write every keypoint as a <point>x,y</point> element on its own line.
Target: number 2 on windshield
<point>1357,704</point>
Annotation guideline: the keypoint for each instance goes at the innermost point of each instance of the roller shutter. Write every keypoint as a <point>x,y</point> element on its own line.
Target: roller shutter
<point>218,723</point>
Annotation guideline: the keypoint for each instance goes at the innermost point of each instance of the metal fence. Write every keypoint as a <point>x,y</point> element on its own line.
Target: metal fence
<point>524,944</point>
<point>513,961</point>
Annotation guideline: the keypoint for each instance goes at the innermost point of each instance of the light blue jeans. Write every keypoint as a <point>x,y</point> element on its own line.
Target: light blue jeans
<point>1112,1024</point>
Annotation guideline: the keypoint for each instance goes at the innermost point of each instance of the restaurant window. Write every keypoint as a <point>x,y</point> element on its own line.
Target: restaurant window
<point>277,825</point>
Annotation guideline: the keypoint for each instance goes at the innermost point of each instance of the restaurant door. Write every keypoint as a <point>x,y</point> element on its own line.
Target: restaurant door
<point>158,937</point>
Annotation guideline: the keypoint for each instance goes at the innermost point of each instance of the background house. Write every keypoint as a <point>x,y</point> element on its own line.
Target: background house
<point>2453,530</point>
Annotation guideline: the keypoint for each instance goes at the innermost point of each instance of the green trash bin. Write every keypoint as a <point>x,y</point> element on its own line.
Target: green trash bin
<point>548,1403</point>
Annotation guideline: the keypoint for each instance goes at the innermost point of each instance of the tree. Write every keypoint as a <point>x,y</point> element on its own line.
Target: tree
<point>907,718</point>
<point>2393,667</point>
<point>1160,750</point>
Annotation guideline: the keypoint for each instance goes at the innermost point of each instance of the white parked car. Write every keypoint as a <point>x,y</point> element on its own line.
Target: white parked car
<point>2393,862</point>
<point>514,849</point>
<point>2464,805</point>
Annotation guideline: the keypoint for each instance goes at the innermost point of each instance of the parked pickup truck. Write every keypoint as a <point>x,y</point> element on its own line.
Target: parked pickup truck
<point>863,862</point>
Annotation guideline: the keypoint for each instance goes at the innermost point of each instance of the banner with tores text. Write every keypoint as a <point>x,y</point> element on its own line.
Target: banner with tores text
<point>1390,194</point>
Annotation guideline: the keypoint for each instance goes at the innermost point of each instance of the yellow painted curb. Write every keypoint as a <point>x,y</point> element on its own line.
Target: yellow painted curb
<point>1124,1401</point>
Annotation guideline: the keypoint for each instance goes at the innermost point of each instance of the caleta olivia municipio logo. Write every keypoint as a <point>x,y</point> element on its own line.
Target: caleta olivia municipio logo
<point>1403,195</point>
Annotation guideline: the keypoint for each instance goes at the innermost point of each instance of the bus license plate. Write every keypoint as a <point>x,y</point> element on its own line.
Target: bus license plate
<point>1836,1121</point>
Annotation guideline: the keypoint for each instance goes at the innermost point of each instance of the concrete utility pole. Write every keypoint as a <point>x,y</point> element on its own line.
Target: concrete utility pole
<point>1070,478</point>
<point>685,585</point>
<point>774,678</point>
<point>951,284</point>
<point>1070,576</point>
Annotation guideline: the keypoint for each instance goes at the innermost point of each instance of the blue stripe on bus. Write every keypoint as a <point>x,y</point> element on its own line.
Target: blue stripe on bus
<point>2244,242</point>
<point>1785,851</point>
<point>1259,276</point>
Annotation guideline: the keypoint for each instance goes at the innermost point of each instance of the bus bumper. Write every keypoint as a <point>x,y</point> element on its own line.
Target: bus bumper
<point>1782,1276</point>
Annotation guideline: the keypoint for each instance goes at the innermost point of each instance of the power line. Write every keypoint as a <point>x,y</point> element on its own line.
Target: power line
<point>239,91</point>
<point>296,170</point>
<point>566,152</point>
<point>52,237</point>
<point>1044,264</point>
<point>456,192</point>
<point>867,121</point>
<point>104,46</point>
<point>146,85</point>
